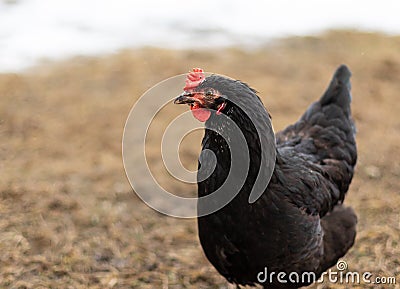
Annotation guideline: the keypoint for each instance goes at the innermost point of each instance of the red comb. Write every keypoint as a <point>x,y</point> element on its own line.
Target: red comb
<point>194,78</point>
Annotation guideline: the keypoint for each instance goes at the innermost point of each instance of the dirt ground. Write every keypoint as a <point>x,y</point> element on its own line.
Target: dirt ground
<point>68,216</point>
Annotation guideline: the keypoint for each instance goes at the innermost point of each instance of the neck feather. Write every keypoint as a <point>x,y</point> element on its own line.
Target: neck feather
<point>254,123</point>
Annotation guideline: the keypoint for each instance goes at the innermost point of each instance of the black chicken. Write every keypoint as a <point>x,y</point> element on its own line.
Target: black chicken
<point>298,224</point>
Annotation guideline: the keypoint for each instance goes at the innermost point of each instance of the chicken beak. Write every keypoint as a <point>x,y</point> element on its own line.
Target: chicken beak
<point>185,97</point>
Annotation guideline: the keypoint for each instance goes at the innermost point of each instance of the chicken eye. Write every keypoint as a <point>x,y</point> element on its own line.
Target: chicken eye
<point>209,93</point>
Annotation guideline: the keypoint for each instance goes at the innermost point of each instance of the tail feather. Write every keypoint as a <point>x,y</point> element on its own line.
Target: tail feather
<point>327,122</point>
<point>338,91</point>
<point>333,109</point>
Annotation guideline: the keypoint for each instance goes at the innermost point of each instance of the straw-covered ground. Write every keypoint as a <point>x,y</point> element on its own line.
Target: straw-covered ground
<point>68,217</point>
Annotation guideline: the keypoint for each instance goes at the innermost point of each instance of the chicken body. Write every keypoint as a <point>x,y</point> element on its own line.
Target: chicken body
<point>299,223</point>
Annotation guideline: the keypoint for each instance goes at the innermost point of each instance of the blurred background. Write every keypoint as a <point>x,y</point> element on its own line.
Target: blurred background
<point>33,30</point>
<point>70,71</point>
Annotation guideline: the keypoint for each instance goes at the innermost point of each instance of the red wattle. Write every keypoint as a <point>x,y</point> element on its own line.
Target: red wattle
<point>202,114</point>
